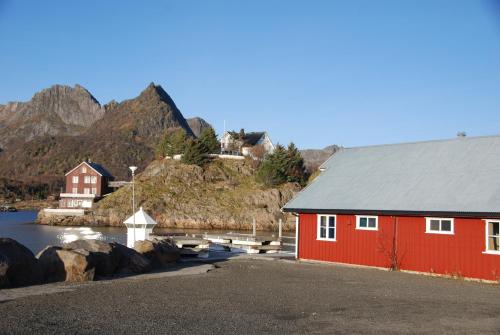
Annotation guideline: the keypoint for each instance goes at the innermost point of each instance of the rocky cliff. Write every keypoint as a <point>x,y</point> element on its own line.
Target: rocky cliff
<point>60,126</point>
<point>58,110</point>
<point>223,195</point>
<point>197,125</point>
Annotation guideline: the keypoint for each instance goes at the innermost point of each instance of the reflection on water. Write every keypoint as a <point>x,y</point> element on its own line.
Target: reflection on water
<point>20,227</point>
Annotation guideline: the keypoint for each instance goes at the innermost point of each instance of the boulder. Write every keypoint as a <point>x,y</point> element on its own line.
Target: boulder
<point>18,265</point>
<point>131,261</point>
<point>104,256</point>
<point>159,252</point>
<point>60,264</point>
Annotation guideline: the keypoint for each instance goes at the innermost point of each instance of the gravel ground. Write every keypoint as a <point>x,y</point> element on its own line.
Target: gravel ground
<point>262,296</point>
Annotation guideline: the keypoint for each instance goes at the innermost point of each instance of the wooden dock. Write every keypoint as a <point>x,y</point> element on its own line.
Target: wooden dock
<point>199,245</point>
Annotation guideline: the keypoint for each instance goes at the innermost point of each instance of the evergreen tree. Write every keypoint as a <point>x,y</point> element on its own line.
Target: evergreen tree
<point>296,170</point>
<point>283,165</point>
<point>209,141</point>
<point>194,153</point>
<point>172,143</point>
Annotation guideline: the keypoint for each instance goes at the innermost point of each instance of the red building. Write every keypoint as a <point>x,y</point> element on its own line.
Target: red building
<point>429,207</point>
<point>85,184</point>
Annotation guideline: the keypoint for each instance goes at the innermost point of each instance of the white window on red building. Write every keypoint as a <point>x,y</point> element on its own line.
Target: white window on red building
<point>493,236</point>
<point>75,179</point>
<point>74,190</point>
<point>439,226</point>
<point>365,222</point>
<point>86,179</point>
<point>94,190</point>
<point>93,180</point>
<point>84,169</point>
<point>326,227</point>
<point>86,190</point>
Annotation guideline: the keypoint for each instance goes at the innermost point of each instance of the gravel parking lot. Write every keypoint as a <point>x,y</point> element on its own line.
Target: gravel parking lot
<point>262,296</point>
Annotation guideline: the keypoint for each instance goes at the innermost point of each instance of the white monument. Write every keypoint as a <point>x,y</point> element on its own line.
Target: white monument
<point>139,226</point>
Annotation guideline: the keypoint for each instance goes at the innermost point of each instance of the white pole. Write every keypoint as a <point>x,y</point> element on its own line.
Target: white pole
<point>133,201</point>
<point>280,229</point>
<point>254,226</point>
<point>297,236</point>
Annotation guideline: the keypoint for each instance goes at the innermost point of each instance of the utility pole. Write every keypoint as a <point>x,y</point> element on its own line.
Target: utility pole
<point>133,168</point>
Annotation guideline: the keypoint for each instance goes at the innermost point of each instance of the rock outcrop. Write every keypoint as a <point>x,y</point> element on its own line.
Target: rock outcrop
<point>103,256</point>
<point>159,252</point>
<point>60,264</point>
<point>18,265</point>
<point>222,195</point>
<point>131,261</point>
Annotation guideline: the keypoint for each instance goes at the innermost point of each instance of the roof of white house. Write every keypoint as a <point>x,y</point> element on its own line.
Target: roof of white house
<point>460,176</point>
<point>141,218</point>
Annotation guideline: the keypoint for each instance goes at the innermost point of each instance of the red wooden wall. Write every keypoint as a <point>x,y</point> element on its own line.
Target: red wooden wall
<point>460,254</point>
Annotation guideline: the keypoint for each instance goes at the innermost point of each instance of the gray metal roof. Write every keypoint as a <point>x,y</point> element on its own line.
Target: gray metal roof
<point>460,175</point>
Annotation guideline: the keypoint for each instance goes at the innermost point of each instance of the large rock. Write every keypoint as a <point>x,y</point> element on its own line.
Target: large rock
<point>104,256</point>
<point>60,264</point>
<point>18,265</point>
<point>159,252</point>
<point>131,261</point>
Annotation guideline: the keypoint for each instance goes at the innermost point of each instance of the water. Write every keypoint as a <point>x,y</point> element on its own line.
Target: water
<point>21,227</point>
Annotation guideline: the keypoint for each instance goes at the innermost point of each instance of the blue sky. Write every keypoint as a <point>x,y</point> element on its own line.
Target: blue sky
<point>313,72</point>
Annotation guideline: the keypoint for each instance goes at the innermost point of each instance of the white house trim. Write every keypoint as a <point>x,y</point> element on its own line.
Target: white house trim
<point>318,227</point>
<point>358,219</point>
<point>428,226</point>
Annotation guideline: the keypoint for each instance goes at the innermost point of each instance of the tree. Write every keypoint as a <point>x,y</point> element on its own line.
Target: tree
<point>194,153</point>
<point>296,170</point>
<point>172,143</point>
<point>209,141</point>
<point>283,165</point>
<point>272,171</point>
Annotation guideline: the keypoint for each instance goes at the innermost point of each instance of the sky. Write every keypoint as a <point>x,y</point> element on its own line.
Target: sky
<point>315,72</point>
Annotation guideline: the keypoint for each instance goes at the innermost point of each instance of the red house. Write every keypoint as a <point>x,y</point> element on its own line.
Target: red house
<point>429,207</point>
<point>85,183</point>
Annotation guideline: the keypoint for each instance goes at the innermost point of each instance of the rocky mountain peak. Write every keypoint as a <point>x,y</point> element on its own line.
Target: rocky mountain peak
<point>198,125</point>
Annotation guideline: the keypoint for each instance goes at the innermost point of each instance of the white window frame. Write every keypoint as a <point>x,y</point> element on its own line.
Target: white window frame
<point>75,180</point>
<point>318,227</point>
<point>358,220</point>
<point>486,250</point>
<point>86,190</point>
<point>74,190</point>
<point>93,190</point>
<point>428,226</point>
<point>84,169</point>
<point>86,179</point>
<point>93,179</point>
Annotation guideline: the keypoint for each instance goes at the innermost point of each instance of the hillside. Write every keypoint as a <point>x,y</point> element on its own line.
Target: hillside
<point>197,125</point>
<point>224,194</point>
<point>60,126</point>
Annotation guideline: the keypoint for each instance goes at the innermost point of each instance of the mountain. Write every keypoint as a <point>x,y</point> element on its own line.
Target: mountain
<point>313,158</point>
<point>58,110</point>
<point>197,125</point>
<point>60,126</point>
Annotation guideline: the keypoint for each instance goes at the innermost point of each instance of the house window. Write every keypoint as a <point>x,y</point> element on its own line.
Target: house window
<point>75,179</point>
<point>75,190</point>
<point>86,179</point>
<point>86,190</point>
<point>93,180</point>
<point>326,227</point>
<point>493,236</point>
<point>84,169</point>
<point>439,226</point>
<point>94,190</point>
<point>366,222</point>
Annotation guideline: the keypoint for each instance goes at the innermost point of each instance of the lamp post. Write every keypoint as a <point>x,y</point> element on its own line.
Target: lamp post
<point>133,168</point>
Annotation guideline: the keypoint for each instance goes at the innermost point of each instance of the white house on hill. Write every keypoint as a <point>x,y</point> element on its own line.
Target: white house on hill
<point>243,143</point>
